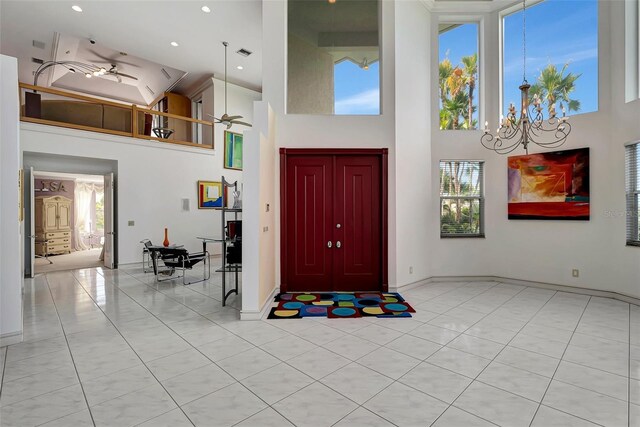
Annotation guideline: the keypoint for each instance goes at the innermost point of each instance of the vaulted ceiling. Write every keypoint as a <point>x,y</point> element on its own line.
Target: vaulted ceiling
<point>144,30</point>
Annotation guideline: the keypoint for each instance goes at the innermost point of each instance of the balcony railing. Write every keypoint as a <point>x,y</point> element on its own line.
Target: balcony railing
<point>70,110</point>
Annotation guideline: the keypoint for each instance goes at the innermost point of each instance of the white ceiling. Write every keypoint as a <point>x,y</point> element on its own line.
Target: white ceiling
<point>144,29</point>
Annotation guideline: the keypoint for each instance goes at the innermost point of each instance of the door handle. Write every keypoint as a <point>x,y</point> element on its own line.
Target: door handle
<point>329,244</point>
<point>338,244</point>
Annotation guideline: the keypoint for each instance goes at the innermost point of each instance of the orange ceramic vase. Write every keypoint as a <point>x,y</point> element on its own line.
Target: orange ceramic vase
<point>166,237</point>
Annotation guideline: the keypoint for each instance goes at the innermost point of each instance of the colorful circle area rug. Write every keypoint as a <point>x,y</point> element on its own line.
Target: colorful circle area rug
<point>339,305</point>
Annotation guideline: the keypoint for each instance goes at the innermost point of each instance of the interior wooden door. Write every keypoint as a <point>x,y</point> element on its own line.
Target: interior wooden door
<point>357,253</point>
<point>309,201</point>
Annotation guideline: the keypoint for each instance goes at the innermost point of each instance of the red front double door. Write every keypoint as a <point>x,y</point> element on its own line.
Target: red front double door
<point>333,223</point>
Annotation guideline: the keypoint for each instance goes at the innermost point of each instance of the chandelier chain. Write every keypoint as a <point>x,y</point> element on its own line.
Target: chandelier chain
<point>524,41</point>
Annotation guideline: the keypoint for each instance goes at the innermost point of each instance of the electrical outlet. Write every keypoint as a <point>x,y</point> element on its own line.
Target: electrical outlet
<point>411,270</point>
<point>132,223</point>
<point>265,229</point>
<point>575,272</point>
<point>267,207</point>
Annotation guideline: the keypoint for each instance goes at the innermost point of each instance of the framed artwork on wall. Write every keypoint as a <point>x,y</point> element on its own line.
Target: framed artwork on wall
<point>550,186</point>
<point>232,150</point>
<point>210,195</point>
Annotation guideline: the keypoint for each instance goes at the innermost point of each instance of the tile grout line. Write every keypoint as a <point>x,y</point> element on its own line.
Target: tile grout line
<point>560,362</point>
<point>394,381</point>
<point>629,372</point>
<point>137,355</point>
<point>4,368</point>
<point>505,346</point>
<point>193,346</point>
<point>86,401</point>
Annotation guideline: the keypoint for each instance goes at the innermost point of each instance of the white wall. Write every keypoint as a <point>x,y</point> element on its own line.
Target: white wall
<point>547,251</point>
<point>414,196</point>
<point>10,237</point>
<point>239,103</point>
<point>258,249</point>
<point>312,131</point>
<point>152,178</point>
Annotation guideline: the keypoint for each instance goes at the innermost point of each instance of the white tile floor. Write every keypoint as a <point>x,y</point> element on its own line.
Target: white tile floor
<point>111,348</point>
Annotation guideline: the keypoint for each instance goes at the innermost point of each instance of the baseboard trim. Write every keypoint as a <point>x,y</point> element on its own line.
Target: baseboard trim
<point>10,338</point>
<point>553,286</point>
<point>259,314</point>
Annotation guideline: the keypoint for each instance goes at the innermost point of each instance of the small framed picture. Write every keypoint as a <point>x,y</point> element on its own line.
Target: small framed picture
<point>232,150</point>
<point>210,195</point>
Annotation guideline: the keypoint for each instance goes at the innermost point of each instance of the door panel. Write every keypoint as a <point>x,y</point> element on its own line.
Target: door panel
<point>31,233</point>
<point>309,187</point>
<point>109,243</point>
<point>50,216</point>
<point>357,262</point>
<point>64,215</point>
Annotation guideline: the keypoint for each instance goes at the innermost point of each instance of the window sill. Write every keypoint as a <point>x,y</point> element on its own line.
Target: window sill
<point>635,244</point>
<point>462,236</point>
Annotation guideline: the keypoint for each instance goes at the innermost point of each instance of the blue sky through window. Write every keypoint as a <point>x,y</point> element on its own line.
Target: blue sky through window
<point>357,91</point>
<point>558,32</point>
<point>459,42</point>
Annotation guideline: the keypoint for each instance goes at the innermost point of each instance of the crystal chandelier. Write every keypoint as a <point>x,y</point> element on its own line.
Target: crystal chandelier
<point>531,127</point>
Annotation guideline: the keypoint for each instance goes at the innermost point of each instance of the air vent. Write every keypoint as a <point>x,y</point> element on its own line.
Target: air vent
<point>38,44</point>
<point>244,52</point>
<point>150,91</point>
<point>37,61</point>
<point>166,74</point>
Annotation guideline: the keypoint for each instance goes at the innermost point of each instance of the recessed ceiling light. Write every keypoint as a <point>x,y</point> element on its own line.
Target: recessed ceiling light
<point>240,67</point>
<point>206,9</point>
<point>76,8</point>
<point>174,44</point>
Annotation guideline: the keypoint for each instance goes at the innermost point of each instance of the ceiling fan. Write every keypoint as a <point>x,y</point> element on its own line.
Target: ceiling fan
<point>226,119</point>
<point>106,60</point>
<point>113,71</point>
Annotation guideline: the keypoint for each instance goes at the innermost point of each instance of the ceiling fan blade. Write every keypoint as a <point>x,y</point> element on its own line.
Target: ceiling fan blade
<point>215,119</point>
<point>100,56</point>
<point>111,60</point>
<point>233,117</point>
<point>241,123</point>
<point>124,75</point>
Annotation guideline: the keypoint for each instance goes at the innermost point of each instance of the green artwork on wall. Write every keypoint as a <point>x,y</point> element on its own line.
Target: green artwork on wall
<point>232,150</point>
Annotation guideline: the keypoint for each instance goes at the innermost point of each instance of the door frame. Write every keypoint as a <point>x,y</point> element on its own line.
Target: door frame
<point>382,154</point>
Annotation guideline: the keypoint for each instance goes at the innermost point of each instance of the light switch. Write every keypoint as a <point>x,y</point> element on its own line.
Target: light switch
<point>131,223</point>
<point>186,205</point>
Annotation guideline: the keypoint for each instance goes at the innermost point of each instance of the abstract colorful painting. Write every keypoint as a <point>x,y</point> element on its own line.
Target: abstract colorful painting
<point>550,186</point>
<point>232,150</point>
<point>210,195</point>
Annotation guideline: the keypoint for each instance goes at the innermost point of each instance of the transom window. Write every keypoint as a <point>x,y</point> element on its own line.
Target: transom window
<point>458,85</point>
<point>562,55</point>
<point>461,198</point>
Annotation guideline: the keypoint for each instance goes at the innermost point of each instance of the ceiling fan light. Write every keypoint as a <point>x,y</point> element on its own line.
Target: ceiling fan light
<point>96,73</point>
<point>76,8</point>
<point>103,71</point>
<point>174,44</point>
<point>87,75</point>
<point>206,9</point>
